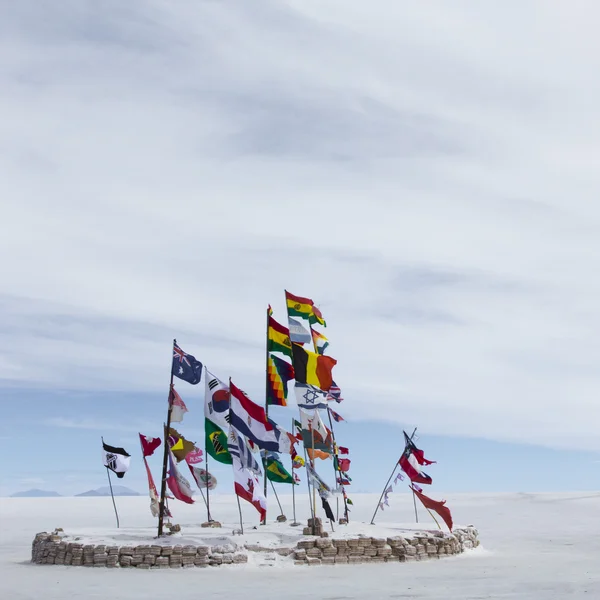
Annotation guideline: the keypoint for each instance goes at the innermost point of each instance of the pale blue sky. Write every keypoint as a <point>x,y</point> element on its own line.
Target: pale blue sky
<point>427,172</point>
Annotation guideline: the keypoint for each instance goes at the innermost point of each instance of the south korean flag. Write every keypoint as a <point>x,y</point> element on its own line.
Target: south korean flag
<point>115,459</point>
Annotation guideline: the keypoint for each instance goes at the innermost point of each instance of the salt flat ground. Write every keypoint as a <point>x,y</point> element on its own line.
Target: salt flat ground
<point>538,546</point>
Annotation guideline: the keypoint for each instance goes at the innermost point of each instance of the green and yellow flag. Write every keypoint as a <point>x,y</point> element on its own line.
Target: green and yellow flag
<point>216,442</point>
<point>297,306</point>
<point>278,338</point>
<point>275,470</point>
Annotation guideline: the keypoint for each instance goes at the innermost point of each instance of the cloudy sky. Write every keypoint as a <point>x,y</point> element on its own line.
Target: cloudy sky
<point>427,172</point>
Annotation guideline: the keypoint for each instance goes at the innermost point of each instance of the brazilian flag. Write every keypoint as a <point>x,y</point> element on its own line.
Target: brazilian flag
<point>276,472</point>
<point>216,442</point>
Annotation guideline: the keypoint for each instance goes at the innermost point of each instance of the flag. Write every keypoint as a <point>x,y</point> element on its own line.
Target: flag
<point>437,506</point>
<point>247,486</point>
<point>298,334</point>
<point>343,450</point>
<point>418,454</point>
<point>344,464</point>
<point>180,447</point>
<point>149,444</point>
<point>194,457</point>
<point>312,368</point>
<point>334,393</point>
<point>320,342</point>
<point>278,338</point>
<point>203,478</point>
<point>298,462</point>
<point>216,442</point>
<point>178,407</point>
<point>154,504</point>
<point>316,437</point>
<point>115,459</point>
<point>238,449</point>
<point>297,306</point>
<point>327,509</point>
<point>317,482</point>
<point>310,397</point>
<point>336,417</point>
<point>344,480</point>
<point>216,401</point>
<point>410,464</point>
<point>279,373</point>
<point>251,421</point>
<point>185,366</point>
<point>275,470</point>
<point>178,484</point>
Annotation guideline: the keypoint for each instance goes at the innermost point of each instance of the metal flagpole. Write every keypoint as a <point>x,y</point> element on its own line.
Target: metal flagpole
<point>163,483</point>
<point>112,496</point>
<point>264,461</point>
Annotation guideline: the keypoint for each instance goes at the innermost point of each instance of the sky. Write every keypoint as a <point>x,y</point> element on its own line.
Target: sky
<point>426,172</point>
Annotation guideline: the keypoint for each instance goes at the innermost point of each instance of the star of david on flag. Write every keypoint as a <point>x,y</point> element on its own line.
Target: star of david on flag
<point>185,366</point>
<point>309,396</point>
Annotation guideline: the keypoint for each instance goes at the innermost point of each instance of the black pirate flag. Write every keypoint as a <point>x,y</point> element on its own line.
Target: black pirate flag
<point>115,459</point>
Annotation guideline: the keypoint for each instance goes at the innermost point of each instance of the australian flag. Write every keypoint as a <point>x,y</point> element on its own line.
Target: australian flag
<point>185,366</point>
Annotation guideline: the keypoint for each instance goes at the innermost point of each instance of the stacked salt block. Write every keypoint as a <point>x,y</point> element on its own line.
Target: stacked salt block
<point>51,549</point>
<point>54,549</point>
<point>423,546</point>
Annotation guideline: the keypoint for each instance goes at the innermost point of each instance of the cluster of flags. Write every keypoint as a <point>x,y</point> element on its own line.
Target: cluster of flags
<point>410,462</point>
<point>239,431</point>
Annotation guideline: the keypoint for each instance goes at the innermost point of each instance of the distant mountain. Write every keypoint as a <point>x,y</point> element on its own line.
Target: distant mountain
<point>118,490</point>
<point>35,494</point>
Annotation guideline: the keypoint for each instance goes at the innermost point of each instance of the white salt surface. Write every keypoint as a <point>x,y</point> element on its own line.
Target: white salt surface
<point>534,546</point>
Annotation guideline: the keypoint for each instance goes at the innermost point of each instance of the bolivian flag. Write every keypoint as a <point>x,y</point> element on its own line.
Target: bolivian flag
<point>297,306</point>
<point>278,338</point>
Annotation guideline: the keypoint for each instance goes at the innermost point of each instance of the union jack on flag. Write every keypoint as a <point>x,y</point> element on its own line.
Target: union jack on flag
<point>334,393</point>
<point>185,366</point>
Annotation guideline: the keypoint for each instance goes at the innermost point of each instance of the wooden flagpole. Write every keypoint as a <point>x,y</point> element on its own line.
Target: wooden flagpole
<point>240,511</point>
<point>264,461</point>
<point>413,491</point>
<point>382,493</point>
<point>336,461</point>
<point>275,492</point>
<point>163,483</point>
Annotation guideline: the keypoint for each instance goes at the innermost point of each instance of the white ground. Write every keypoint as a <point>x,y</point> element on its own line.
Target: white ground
<point>538,546</point>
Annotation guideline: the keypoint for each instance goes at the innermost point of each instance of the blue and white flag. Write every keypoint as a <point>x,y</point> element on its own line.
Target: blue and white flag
<point>309,396</point>
<point>298,333</point>
<point>185,366</point>
<point>238,448</point>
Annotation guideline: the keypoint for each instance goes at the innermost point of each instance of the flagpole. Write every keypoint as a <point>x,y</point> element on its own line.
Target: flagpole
<point>240,511</point>
<point>413,491</point>
<point>264,461</point>
<point>275,492</point>
<point>430,513</point>
<point>163,483</point>
<point>112,496</point>
<point>206,453</point>
<point>293,485</point>
<point>337,460</point>
<point>382,493</point>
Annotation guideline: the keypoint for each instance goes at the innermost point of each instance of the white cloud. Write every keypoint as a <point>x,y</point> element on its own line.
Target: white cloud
<point>427,172</point>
